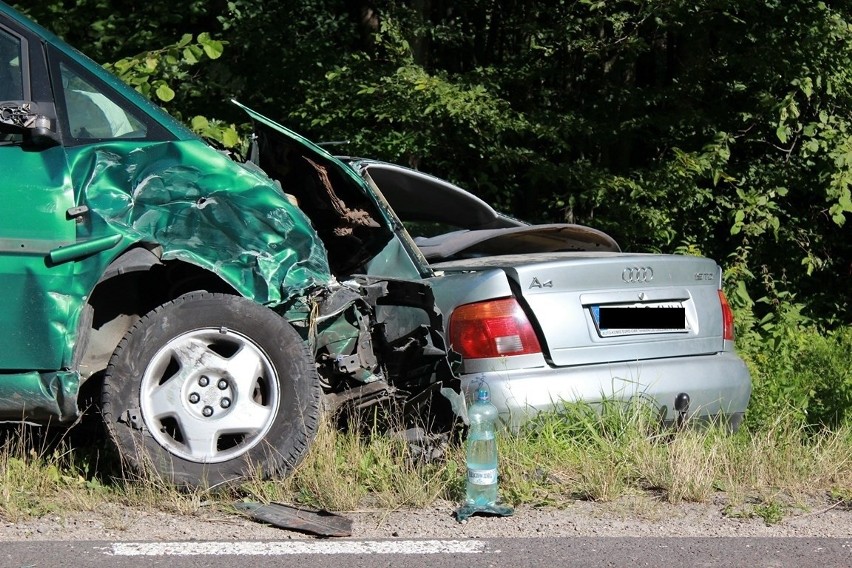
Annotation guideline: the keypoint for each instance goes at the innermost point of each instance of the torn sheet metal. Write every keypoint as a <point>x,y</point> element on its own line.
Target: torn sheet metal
<point>201,207</point>
<point>381,340</point>
<point>466,511</point>
<point>40,397</point>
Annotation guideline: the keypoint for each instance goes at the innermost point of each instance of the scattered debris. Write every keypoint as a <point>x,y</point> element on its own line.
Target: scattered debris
<point>466,511</point>
<point>321,523</point>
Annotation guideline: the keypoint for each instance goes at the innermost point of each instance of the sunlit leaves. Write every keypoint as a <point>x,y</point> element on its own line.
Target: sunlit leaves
<point>164,92</point>
<point>153,73</point>
<point>224,134</point>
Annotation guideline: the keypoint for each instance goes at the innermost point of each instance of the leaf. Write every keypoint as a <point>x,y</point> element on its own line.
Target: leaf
<point>184,40</point>
<point>199,123</point>
<point>213,49</point>
<point>230,138</point>
<point>189,56</point>
<point>165,93</point>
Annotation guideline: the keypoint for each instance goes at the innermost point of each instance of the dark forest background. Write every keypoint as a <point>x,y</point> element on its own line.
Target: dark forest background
<point>721,128</point>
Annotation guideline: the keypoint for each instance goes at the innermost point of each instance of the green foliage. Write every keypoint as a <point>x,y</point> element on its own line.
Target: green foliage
<point>153,72</point>
<point>772,512</point>
<point>722,126</point>
<point>802,372</point>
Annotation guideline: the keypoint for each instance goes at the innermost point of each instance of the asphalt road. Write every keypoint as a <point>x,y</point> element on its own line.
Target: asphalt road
<point>564,552</point>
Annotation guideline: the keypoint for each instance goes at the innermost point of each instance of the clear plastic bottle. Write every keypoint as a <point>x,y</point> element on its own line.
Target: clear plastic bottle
<point>482,451</point>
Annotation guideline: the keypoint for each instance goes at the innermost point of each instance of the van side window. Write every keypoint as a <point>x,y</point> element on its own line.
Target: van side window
<point>11,77</point>
<point>11,74</point>
<point>94,115</point>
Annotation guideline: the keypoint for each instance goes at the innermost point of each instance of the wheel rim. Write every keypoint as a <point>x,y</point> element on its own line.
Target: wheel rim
<point>209,395</point>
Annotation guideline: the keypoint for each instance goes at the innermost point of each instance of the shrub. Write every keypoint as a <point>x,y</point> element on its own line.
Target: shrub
<point>801,371</point>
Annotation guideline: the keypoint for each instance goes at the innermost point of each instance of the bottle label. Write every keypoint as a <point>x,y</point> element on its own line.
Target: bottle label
<point>482,476</point>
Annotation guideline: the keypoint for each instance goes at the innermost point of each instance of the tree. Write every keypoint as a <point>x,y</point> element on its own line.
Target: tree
<point>721,126</point>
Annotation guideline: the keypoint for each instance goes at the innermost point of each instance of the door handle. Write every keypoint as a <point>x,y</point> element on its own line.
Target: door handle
<point>76,212</point>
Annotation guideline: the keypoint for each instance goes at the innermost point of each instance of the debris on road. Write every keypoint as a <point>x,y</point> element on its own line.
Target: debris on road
<point>321,523</point>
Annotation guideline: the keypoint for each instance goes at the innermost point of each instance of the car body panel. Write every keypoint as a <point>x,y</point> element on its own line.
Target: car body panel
<point>40,397</point>
<point>718,386</point>
<point>232,222</point>
<point>200,207</point>
<point>34,225</point>
<point>69,210</point>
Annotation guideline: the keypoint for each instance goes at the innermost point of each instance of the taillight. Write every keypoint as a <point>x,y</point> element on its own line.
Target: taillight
<point>727,318</point>
<point>492,329</point>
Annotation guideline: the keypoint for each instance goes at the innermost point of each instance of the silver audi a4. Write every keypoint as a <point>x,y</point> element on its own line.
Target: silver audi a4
<point>548,314</point>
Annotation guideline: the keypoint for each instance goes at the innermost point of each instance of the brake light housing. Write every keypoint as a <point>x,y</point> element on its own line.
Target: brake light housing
<point>494,328</point>
<point>727,318</point>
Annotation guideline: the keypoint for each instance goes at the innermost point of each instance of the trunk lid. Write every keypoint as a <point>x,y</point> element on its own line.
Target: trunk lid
<point>586,305</point>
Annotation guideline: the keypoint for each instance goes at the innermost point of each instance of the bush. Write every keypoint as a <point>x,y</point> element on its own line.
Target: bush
<point>803,372</point>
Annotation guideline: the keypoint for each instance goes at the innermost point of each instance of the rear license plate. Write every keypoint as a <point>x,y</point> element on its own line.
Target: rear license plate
<point>637,320</point>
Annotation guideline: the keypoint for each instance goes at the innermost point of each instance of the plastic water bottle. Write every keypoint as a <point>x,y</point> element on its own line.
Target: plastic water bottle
<point>482,451</point>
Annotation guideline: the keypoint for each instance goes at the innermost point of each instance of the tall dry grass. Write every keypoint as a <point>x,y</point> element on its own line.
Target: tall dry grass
<point>600,453</point>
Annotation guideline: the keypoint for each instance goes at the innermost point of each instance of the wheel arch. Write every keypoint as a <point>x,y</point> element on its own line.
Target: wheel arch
<point>134,283</point>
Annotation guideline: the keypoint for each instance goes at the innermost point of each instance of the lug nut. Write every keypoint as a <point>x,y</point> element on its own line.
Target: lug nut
<point>223,384</point>
<point>208,411</point>
<point>203,381</point>
<point>194,397</point>
<point>226,402</point>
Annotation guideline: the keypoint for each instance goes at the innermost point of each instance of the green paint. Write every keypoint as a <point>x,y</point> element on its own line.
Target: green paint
<point>85,248</point>
<point>39,397</point>
<point>120,173</point>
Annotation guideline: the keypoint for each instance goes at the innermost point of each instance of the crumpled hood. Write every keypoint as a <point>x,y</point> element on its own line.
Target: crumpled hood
<point>301,140</point>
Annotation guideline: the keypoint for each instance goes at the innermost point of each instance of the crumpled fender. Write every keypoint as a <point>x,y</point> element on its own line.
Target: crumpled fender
<point>203,208</point>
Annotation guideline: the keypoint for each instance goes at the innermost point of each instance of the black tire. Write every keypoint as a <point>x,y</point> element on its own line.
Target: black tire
<point>209,389</point>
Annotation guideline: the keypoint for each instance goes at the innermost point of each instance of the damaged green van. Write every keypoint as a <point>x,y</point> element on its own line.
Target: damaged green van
<point>209,311</point>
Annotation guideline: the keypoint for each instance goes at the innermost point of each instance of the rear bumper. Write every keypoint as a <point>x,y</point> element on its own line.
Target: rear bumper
<point>717,385</point>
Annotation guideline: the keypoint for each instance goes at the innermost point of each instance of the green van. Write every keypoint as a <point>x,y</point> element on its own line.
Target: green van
<point>208,311</point>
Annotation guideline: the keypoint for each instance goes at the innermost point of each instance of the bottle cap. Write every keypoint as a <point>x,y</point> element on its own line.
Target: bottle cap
<point>483,394</point>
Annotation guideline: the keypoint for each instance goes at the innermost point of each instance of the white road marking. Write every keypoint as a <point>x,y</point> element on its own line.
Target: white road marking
<point>295,547</point>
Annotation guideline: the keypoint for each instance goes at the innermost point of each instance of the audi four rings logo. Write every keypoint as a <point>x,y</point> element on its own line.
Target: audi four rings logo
<point>636,274</point>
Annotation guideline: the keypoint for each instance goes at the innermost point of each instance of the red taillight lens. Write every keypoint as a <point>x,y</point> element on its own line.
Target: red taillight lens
<point>727,318</point>
<point>492,329</point>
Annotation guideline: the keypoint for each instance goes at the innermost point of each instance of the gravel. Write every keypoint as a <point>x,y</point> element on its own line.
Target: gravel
<point>636,516</point>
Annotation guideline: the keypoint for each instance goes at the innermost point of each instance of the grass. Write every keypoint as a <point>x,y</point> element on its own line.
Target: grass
<point>794,447</point>
<point>599,454</point>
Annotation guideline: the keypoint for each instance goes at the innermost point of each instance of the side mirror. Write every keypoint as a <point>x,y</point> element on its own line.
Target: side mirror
<point>23,117</point>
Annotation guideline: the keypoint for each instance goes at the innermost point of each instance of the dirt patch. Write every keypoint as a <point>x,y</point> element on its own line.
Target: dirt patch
<point>634,516</point>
